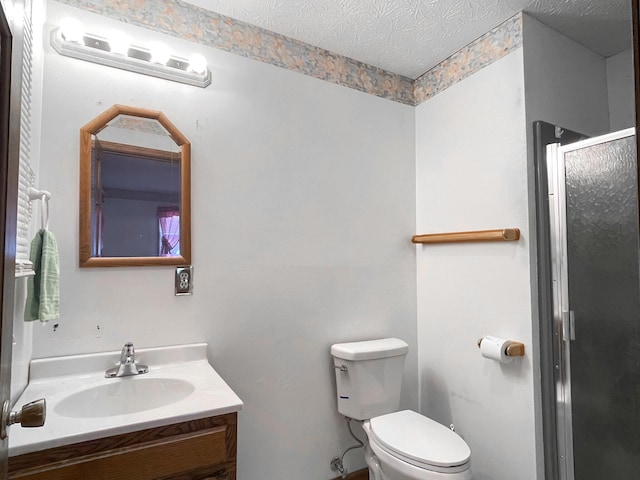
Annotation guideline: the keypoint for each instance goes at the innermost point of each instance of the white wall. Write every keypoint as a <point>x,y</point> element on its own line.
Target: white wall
<point>621,90</point>
<point>472,175</point>
<point>566,83</point>
<point>303,200</point>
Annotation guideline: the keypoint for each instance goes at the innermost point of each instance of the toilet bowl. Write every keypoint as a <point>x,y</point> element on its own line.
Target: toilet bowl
<point>401,445</point>
<point>405,445</point>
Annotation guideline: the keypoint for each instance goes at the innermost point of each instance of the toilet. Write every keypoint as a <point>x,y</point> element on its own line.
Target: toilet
<point>401,445</point>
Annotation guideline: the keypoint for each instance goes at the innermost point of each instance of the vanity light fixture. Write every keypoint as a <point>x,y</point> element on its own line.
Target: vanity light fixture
<point>69,40</point>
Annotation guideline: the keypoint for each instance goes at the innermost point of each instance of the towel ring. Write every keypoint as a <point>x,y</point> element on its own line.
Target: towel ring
<point>44,197</point>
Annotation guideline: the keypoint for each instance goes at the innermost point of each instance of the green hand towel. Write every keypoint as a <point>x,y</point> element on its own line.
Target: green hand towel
<point>43,297</point>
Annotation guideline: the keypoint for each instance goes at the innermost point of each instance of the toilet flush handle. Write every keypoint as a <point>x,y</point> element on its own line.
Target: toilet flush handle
<point>342,368</point>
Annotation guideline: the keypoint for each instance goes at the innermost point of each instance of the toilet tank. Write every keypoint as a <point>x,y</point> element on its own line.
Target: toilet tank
<point>369,376</point>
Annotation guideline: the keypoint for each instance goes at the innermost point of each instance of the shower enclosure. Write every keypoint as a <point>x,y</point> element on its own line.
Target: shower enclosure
<point>590,306</point>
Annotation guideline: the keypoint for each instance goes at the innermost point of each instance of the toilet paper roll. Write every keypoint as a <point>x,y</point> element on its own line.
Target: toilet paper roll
<point>495,348</point>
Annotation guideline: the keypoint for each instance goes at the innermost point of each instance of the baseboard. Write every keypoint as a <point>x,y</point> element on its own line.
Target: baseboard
<point>359,475</point>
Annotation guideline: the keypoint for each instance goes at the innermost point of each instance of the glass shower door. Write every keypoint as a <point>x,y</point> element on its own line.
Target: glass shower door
<point>594,216</point>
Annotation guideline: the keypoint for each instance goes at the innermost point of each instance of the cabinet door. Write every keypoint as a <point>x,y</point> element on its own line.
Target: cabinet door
<point>173,458</point>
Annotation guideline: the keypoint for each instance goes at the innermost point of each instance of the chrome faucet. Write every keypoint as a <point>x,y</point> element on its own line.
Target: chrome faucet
<point>127,365</point>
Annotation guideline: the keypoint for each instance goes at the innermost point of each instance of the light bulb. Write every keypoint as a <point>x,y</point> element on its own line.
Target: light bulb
<point>197,63</point>
<point>119,44</point>
<point>72,30</point>
<point>159,53</point>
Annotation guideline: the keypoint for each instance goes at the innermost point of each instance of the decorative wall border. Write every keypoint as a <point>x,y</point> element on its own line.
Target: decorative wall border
<point>190,22</point>
<point>483,51</point>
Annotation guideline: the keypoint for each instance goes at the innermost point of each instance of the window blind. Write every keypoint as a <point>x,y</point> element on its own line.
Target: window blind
<point>26,175</point>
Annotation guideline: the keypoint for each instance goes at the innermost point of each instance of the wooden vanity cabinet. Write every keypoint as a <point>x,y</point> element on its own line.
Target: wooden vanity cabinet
<point>203,449</point>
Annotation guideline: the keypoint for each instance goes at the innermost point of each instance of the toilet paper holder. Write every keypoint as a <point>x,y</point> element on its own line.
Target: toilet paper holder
<point>514,349</point>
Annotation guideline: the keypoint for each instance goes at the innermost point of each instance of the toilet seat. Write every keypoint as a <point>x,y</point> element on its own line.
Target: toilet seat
<point>420,441</point>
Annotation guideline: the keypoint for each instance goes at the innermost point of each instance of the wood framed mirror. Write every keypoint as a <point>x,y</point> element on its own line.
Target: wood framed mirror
<point>135,190</point>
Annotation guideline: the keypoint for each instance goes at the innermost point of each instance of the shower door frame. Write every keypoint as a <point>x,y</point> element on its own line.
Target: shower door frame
<point>563,321</point>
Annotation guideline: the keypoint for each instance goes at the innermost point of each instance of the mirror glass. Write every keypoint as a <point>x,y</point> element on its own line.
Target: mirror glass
<point>134,205</point>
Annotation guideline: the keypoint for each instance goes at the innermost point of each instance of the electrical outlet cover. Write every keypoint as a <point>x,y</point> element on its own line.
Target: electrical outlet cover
<point>184,280</point>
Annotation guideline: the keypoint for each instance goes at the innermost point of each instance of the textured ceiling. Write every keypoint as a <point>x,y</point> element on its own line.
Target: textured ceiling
<point>409,37</point>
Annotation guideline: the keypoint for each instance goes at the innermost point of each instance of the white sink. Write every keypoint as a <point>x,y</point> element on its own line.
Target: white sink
<point>83,405</point>
<point>124,395</point>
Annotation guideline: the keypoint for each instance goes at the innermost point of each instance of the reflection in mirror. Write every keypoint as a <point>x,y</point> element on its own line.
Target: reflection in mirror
<point>134,190</point>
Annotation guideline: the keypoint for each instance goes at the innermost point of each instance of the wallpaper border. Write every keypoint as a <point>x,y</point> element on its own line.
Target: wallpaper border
<point>483,51</point>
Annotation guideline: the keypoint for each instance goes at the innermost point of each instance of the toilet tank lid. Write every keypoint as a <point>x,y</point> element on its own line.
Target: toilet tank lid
<point>370,349</point>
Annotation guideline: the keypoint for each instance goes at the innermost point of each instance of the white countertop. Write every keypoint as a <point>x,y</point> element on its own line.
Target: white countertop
<point>56,378</point>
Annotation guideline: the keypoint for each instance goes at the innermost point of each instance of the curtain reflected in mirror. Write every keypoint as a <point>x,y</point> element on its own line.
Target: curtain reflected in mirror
<point>169,220</point>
